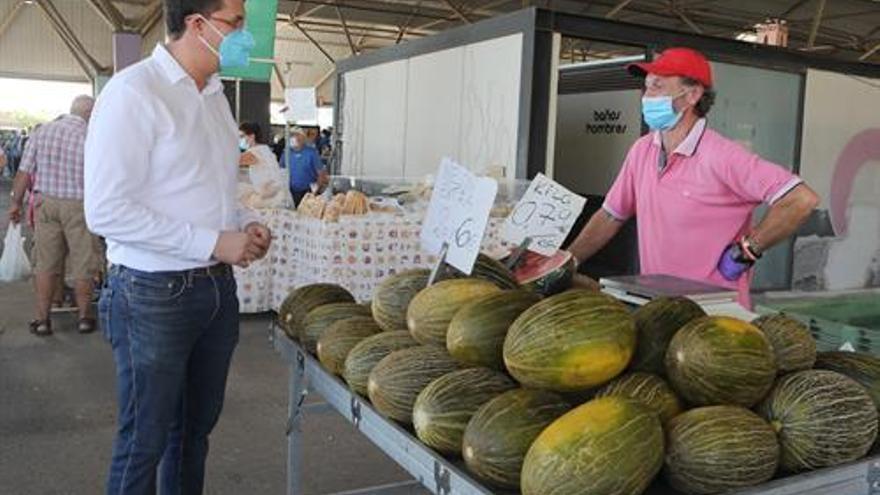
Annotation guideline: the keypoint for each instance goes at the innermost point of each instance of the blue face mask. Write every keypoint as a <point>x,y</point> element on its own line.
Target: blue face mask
<point>235,49</point>
<point>659,113</point>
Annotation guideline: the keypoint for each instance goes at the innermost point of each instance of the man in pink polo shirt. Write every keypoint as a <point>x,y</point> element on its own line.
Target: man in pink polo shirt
<point>693,190</point>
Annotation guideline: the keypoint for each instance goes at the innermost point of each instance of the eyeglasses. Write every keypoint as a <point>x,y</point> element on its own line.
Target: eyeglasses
<point>234,24</point>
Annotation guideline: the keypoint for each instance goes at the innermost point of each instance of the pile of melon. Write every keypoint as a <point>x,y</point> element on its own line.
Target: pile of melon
<point>569,391</point>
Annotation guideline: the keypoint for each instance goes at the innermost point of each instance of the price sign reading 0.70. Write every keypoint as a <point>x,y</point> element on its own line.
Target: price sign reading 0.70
<point>545,214</point>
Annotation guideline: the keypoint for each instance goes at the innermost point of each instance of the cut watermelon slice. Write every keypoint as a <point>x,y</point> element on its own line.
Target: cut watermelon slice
<point>546,275</point>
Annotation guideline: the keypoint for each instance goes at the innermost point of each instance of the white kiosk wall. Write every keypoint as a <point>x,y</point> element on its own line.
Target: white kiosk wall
<point>401,118</point>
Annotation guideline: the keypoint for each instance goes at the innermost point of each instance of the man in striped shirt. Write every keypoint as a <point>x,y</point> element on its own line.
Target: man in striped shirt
<point>54,157</point>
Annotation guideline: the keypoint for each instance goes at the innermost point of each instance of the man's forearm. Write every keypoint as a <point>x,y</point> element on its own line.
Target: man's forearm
<point>19,186</point>
<point>784,217</point>
<point>595,235</point>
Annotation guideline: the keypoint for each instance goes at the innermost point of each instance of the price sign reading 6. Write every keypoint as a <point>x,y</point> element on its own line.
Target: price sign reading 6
<point>464,235</point>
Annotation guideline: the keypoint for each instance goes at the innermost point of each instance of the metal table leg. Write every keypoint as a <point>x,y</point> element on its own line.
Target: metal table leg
<point>294,424</point>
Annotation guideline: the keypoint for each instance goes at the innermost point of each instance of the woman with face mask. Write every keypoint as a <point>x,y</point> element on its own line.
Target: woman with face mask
<point>692,189</point>
<point>264,185</point>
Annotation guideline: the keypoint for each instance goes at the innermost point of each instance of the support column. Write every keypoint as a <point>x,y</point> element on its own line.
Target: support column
<point>126,49</point>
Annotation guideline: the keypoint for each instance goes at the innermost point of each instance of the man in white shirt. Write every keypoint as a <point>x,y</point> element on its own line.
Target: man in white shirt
<point>160,186</point>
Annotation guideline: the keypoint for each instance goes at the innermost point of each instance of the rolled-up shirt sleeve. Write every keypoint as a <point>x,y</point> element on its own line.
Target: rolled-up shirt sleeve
<point>117,161</point>
<point>754,178</point>
<point>620,202</point>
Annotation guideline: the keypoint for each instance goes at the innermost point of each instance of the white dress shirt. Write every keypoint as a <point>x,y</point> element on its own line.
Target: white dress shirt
<point>161,162</point>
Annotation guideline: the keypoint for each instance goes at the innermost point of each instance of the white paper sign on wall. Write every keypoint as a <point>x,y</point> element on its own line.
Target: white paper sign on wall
<point>546,213</point>
<point>302,104</point>
<point>458,214</point>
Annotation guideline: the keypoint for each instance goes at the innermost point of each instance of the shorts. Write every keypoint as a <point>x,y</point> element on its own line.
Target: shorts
<point>61,232</point>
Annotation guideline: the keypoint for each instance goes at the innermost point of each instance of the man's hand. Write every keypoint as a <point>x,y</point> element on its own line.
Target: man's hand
<point>233,248</point>
<point>14,213</point>
<point>261,239</point>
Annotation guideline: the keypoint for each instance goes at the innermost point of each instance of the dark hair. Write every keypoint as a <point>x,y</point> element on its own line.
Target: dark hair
<point>176,12</point>
<point>252,129</point>
<point>706,101</point>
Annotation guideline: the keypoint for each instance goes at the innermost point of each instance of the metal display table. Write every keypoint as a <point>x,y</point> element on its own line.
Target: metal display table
<point>444,477</point>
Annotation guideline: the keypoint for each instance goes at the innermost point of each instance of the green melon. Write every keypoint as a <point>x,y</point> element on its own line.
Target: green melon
<point>501,431</point>
<point>442,410</point>
<point>656,323</point>
<point>476,332</point>
<point>545,275</point>
<point>570,342</point>
<point>391,298</point>
<point>792,342</point>
<point>319,319</point>
<point>863,368</point>
<point>719,448</point>
<point>399,377</point>
<point>608,446</point>
<point>431,310</point>
<point>300,301</point>
<point>485,268</point>
<point>652,390</point>
<point>822,418</point>
<point>367,353</point>
<point>340,338</point>
<point>718,360</point>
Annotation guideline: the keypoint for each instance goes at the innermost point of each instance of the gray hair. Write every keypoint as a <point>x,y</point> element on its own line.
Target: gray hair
<point>82,105</point>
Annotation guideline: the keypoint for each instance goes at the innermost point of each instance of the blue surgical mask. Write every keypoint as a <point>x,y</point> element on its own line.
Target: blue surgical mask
<point>235,49</point>
<point>659,113</point>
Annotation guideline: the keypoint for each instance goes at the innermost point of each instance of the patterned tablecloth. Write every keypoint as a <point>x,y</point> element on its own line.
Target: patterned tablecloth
<point>357,253</point>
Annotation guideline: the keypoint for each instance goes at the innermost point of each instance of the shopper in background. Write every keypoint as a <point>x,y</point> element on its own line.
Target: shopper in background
<point>54,159</point>
<point>161,168</point>
<point>264,185</point>
<point>307,173</point>
<point>693,190</point>
<point>3,159</point>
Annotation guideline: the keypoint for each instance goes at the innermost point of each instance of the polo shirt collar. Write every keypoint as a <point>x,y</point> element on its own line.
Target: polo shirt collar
<point>175,72</point>
<point>689,146</point>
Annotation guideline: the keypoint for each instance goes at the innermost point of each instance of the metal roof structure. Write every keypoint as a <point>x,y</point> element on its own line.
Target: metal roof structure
<point>70,39</point>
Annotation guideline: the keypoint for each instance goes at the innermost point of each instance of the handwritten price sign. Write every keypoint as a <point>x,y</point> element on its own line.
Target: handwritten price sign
<point>545,214</point>
<point>458,214</point>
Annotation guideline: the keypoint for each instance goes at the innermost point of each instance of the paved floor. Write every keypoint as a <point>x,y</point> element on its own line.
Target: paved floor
<point>57,414</point>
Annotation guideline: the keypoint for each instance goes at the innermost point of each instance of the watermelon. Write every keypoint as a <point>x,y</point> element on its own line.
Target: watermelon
<point>476,332</point>
<point>300,301</point>
<point>340,338</point>
<point>319,319</point>
<point>399,377</point>
<point>792,342</point>
<point>652,390</point>
<point>442,410</point>
<point>822,418</point>
<point>570,342</point>
<point>431,310</point>
<point>656,323</point>
<point>367,353</point>
<point>717,360</point>
<point>485,268</point>
<point>545,275</point>
<point>393,295</point>
<point>608,446</point>
<point>501,431</point>
<point>719,448</point>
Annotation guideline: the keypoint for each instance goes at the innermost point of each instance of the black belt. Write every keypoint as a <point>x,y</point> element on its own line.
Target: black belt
<point>218,270</point>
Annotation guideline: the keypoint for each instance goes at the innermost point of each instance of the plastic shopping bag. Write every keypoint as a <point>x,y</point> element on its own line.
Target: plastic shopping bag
<point>14,264</point>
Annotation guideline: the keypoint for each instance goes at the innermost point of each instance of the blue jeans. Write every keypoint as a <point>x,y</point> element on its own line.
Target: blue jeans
<point>172,334</point>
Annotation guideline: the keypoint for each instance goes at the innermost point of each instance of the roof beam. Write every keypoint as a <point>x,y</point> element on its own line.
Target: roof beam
<point>480,10</point>
<point>458,12</point>
<point>406,24</point>
<point>617,8</point>
<point>7,21</point>
<point>817,20</point>
<point>871,51</point>
<point>345,28</point>
<point>86,61</point>
<point>150,18</point>
<point>309,37</point>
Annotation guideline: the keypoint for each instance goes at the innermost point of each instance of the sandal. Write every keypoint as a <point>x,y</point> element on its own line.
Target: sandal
<point>41,328</point>
<point>86,325</point>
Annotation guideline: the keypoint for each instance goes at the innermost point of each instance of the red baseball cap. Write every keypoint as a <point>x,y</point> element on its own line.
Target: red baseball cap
<point>683,62</point>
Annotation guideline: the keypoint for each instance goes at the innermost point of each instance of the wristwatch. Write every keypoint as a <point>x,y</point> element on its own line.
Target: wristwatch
<point>750,248</point>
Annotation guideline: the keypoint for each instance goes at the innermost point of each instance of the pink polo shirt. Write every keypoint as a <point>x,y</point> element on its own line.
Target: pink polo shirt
<point>692,209</point>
